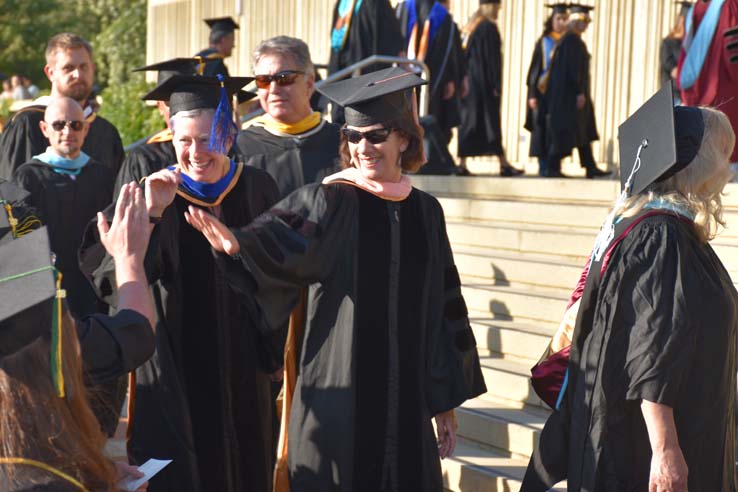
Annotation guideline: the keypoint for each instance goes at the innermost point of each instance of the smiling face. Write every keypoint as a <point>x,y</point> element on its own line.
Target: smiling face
<point>71,73</point>
<point>286,103</point>
<point>381,161</point>
<point>65,142</point>
<point>191,138</point>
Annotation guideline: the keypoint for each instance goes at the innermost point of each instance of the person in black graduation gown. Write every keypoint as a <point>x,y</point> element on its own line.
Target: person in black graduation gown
<point>671,46</point>
<point>650,399</point>
<point>70,68</point>
<point>203,399</point>
<point>373,252</point>
<point>158,151</point>
<point>291,142</point>
<point>451,106</point>
<point>432,37</point>
<point>538,72</point>
<point>480,132</point>
<point>222,39</point>
<point>50,427</point>
<point>67,188</point>
<point>568,111</point>
<point>362,28</point>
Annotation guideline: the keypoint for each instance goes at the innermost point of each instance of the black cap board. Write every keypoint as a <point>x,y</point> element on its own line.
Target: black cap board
<point>485,2</point>
<point>175,66</point>
<point>376,97</point>
<point>27,290</point>
<point>669,139</point>
<point>576,8</point>
<point>186,92</point>
<point>222,24</point>
<point>559,8</point>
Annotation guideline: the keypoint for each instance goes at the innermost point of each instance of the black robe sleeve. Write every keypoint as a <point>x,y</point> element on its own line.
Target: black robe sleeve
<point>653,307</point>
<point>112,346</point>
<point>456,375</point>
<point>21,140</point>
<point>291,246</point>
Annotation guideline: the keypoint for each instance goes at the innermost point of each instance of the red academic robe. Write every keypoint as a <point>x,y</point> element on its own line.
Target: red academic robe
<point>717,84</point>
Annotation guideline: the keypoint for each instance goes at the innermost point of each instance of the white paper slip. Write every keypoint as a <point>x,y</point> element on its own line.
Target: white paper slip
<point>149,469</point>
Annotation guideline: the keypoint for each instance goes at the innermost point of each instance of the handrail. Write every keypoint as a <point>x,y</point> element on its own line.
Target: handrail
<point>355,68</point>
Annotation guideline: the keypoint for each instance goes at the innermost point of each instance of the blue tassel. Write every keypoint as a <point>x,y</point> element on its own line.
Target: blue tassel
<point>223,127</point>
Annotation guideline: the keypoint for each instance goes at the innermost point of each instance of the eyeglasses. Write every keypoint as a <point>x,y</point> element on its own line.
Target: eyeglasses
<point>283,78</point>
<point>75,125</point>
<point>372,136</point>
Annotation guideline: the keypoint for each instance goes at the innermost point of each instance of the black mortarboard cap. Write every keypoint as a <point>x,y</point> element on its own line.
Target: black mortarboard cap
<point>671,137</point>
<point>375,97</point>
<point>175,66</point>
<point>576,8</point>
<point>485,2</point>
<point>27,290</point>
<point>558,8</point>
<point>186,92</point>
<point>223,25</point>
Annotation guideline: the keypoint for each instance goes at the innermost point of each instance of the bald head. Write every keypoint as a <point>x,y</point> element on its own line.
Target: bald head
<point>65,126</point>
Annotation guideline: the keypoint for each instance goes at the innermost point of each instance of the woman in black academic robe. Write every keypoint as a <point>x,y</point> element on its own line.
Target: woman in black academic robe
<point>204,399</point>
<point>387,343</point>
<point>651,391</point>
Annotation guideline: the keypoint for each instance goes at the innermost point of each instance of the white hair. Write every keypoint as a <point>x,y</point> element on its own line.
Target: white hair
<point>190,113</point>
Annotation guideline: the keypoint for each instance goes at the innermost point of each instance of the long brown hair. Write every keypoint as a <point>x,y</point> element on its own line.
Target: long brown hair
<point>36,424</point>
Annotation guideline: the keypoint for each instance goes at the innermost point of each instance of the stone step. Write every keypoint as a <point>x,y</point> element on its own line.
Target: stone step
<point>530,305</point>
<point>509,380</point>
<point>510,339</point>
<point>524,188</point>
<point>517,268</point>
<point>574,243</point>
<point>525,212</point>
<point>473,469</point>
<point>494,423</point>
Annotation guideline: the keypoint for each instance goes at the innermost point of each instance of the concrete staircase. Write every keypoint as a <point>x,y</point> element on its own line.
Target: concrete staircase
<point>520,245</point>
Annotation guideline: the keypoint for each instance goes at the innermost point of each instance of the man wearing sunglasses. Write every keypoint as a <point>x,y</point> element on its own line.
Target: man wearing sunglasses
<point>71,71</point>
<point>293,143</point>
<point>67,187</point>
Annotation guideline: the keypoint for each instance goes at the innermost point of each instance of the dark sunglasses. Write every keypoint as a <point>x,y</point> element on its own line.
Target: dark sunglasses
<point>75,125</point>
<point>283,78</point>
<point>372,136</point>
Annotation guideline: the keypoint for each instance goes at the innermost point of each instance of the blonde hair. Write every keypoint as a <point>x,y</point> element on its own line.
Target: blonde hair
<point>698,187</point>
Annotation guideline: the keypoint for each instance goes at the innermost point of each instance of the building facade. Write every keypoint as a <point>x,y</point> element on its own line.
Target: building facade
<point>623,39</point>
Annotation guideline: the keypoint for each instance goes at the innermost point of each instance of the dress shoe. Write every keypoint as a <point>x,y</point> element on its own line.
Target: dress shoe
<point>556,174</point>
<point>594,172</point>
<point>509,171</point>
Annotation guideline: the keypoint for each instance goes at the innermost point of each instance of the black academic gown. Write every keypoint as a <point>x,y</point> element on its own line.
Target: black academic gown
<point>203,399</point>
<point>533,121</point>
<point>374,30</point>
<point>22,139</point>
<point>668,57</point>
<point>144,160</point>
<point>480,132</point>
<point>566,126</point>
<point>215,64</point>
<point>292,161</point>
<point>66,203</point>
<point>659,325</point>
<point>450,112</point>
<point>387,342</point>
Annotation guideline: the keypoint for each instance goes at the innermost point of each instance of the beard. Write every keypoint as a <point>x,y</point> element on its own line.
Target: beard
<point>78,91</point>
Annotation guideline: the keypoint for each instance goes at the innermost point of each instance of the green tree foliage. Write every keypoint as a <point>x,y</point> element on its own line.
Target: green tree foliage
<point>117,31</point>
<point>122,106</point>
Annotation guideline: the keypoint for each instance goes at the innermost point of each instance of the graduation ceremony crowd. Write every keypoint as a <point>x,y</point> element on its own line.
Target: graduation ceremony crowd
<point>279,306</point>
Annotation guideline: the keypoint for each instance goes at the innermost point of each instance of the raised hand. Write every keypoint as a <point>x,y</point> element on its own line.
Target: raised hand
<point>161,188</point>
<point>128,235</point>
<point>218,235</point>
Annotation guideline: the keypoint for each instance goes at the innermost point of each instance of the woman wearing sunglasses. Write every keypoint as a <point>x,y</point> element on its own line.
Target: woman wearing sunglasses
<point>387,344</point>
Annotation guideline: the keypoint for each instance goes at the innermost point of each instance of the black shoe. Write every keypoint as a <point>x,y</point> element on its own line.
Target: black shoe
<point>556,174</point>
<point>594,172</point>
<point>509,172</point>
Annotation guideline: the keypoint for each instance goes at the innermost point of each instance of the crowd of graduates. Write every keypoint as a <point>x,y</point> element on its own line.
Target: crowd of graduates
<point>281,306</point>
